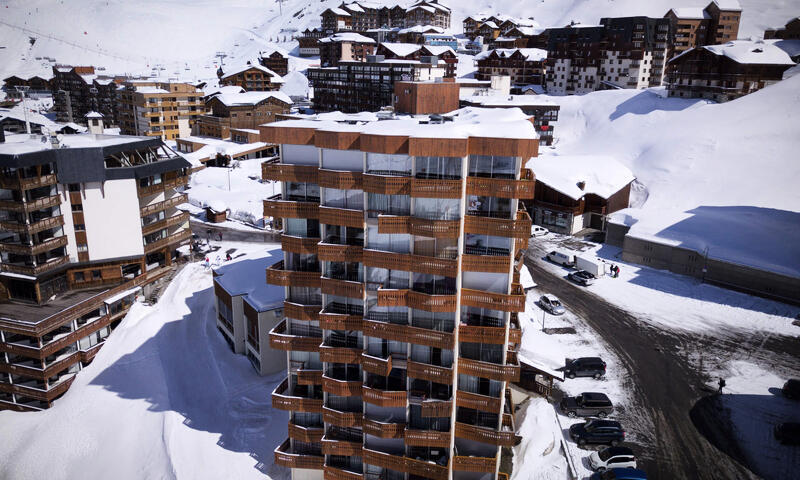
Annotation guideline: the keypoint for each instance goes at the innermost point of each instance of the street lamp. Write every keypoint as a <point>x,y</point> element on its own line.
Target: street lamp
<point>24,89</point>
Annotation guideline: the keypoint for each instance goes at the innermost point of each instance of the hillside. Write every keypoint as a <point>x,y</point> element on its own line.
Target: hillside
<point>183,36</point>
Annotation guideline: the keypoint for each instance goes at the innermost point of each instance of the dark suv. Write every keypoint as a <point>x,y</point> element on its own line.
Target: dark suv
<point>587,404</point>
<point>585,367</point>
<point>791,389</point>
<point>597,431</point>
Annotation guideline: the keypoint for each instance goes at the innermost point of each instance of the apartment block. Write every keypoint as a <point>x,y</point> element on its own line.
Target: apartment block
<point>85,222</point>
<point>252,77</point>
<point>727,72</point>
<point>367,86</point>
<point>344,46</point>
<point>159,109</point>
<point>425,98</point>
<point>445,56</point>
<point>275,61</point>
<point>402,245</point>
<point>790,31</point>
<point>692,27</point>
<point>79,90</point>
<point>308,43</point>
<point>525,66</point>
<point>244,110</point>
<point>360,16</point>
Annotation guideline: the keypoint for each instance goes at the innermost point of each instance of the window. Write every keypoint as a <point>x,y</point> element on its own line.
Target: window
<point>78,277</point>
<point>79,227</point>
<point>82,247</point>
<point>74,187</point>
<point>96,275</point>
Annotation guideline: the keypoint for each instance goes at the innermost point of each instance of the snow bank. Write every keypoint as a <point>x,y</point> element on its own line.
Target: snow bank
<point>239,277</point>
<point>539,454</point>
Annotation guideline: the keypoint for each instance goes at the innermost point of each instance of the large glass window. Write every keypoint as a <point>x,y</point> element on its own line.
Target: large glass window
<point>386,164</point>
<point>492,166</point>
<point>439,167</point>
<point>475,244</point>
<point>385,278</point>
<point>437,208</point>
<point>352,199</point>
<point>388,242</point>
<point>301,227</point>
<point>434,284</point>
<point>489,206</point>
<point>302,192</point>
<point>379,203</point>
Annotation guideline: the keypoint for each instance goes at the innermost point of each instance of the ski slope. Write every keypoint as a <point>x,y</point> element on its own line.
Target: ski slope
<point>182,36</point>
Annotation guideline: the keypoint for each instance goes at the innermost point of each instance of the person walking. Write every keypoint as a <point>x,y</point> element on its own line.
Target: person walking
<point>721,384</point>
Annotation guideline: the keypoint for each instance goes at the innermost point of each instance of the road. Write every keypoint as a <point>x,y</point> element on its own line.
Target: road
<point>665,386</point>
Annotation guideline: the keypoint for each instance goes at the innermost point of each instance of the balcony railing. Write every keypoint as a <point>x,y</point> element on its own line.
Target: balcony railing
<point>492,335</point>
<point>339,321</point>
<point>282,172</point>
<point>519,228</point>
<point>38,269</point>
<point>38,204</point>
<point>342,419</point>
<point>301,312</point>
<point>280,340</point>
<point>283,400</point>
<point>388,185</point>
<point>514,302</point>
<point>276,207</point>
<point>436,408</point>
<point>384,398</point>
<point>339,354</point>
<point>285,457</point>
<point>479,402</point>
<point>166,223</point>
<point>158,206</point>
<point>341,216</point>
<point>503,188</point>
<point>418,300</point>
<point>474,464</point>
<point>420,226</point>
<point>342,288</point>
<point>409,334</point>
<point>305,434</point>
<point>302,245</point>
<point>485,435</point>
<point>342,388</point>
<point>432,373</point>
<point>427,438</point>
<point>333,446</point>
<point>382,429</point>
<point>376,365</point>
<point>397,463</point>
<point>410,263</point>
<point>309,377</point>
<point>277,275</point>
<point>23,249</point>
<point>179,237</point>
<point>430,188</point>
<point>339,179</point>
<point>27,183</point>
<point>332,252</point>
<point>485,263</point>
<point>493,371</point>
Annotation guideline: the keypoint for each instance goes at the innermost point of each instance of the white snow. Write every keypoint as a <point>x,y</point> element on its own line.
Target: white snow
<point>165,398</point>
<point>346,37</point>
<point>251,98</point>
<point>539,453</point>
<point>238,277</point>
<point>760,52</point>
<point>530,54</point>
<point>601,174</point>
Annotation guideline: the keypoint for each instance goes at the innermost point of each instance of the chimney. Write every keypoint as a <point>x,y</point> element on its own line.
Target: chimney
<point>582,185</point>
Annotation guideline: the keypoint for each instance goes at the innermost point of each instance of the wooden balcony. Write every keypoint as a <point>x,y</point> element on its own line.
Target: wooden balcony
<point>38,204</point>
<point>384,398</point>
<point>332,252</point>
<point>425,188</point>
<point>333,473</point>
<point>38,269</point>
<point>342,216</point>
<point>514,302</point>
<point>283,400</point>
<point>339,354</point>
<point>284,172</point>
<point>342,388</point>
<point>432,373</point>
<point>503,188</point>
<point>342,288</point>
<point>514,332</point>
<point>339,179</point>
<point>305,434</point>
<point>301,312</point>
<point>410,263</point>
<point>384,184</point>
<point>427,438</point>
<point>486,263</point>
<point>178,237</point>
<point>23,249</point>
<point>492,335</point>
<point>418,300</point>
<point>159,206</point>
<point>339,321</point>
<point>376,365</point>
<point>167,222</point>
<point>494,371</point>
<point>436,408</point>
<point>332,446</point>
<point>475,464</point>
<point>500,227</point>
<point>47,395</point>
<point>342,419</point>
<point>280,340</point>
<point>485,435</point>
<point>397,463</point>
<point>309,377</point>
<point>303,245</point>
<point>276,275</point>
<point>479,402</point>
<point>286,458</point>
<point>383,430</point>
<point>162,187</point>
<point>420,226</point>
<point>409,334</point>
<point>278,208</point>
<point>17,183</point>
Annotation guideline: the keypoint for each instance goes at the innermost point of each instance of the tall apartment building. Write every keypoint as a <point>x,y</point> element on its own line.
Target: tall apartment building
<point>251,77</point>
<point>236,111</point>
<point>402,242</point>
<point>627,52</point>
<point>367,86</point>
<point>361,16</point>
<point>344,46</point>
<point>84,224</point>
<point>159,109</point>
<point>275,61</point>
<point>79,90</point>
<point>525,66</point>
<point>790,31</point>
<point>446,56</point>
<point>692,27</point>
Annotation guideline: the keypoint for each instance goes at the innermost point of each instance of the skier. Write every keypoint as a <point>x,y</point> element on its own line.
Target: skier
<point>228,257</point>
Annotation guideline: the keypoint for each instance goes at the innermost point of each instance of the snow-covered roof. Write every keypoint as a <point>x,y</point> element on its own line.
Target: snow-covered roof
<point>438,50</point>
<point>226,89</point>
<point>729,5</point>
<point>421,29</point>
<point>17,113</point>
<point>489,24</point>
<point>217,205</point>
<point>251,98</point>
<point>402,49</point>
<point>600,174</point>
<point>508,100</point>
<point>757,52</point>
<point>530,54</point>
<point>93,114</point>
<point>150,89</point>
<point>421,7</point>
<point>339,11</point>
<point>347,37</point>
<point>690,13</point>
<point>237,278</point>
<point>354,7</point>
<point>432,5</point>
<point>243,68</point>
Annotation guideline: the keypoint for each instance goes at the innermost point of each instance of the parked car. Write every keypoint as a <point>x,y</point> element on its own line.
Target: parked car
<point>537,231</point>
<point>587,404</point>
<point>620,474</point>
<point>597,431</point>
<point>561,258</point>
<point>612,457</point>
<point>582,277</point>
<point>551,304</point>
<point>585,367</point>
<point>788,433</point>
<point>791,389</point>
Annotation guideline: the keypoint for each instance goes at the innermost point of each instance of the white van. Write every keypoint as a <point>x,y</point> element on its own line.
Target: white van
<point>561,258</point>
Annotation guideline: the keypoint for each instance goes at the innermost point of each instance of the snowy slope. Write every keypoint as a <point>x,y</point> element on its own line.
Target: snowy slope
<point>718,176</point>
<point>164,399</point>
<point>127,36</point>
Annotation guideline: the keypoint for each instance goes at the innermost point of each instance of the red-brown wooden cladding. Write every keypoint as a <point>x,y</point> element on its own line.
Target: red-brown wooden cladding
<point>341,388</point>
<point>378,366</point>
<point>339,321</point>
<point>420,226</point>
<point>502,187</point>
<point>301,312</point>
<point>331,252</point>
<point>285,458</point>
<point>333,473</point>
<point>287,135</point>
<point>494,301</point>
<point>420,301</point>
<point>383,430</point>
<point>474,464</point>
<point>342,419</point>
<point>331,446</point>
<point>383,144</point>
<point>280,340</point>
<point>502,373</point>
<point>283,401</point>
<point>436,408</point>
<point>485,263</point>
<point>305,434</point>
<point>339,354</point>
<point>506,147</point>
<point>343,216</point>
<point>438,147</point>
<point>409,334</point>
<point>410,262</point>
<point>500,227</point>
<point>404,464</point>
<point>342,288</point>
<point>485,435</point>
<point>383,398</point>
<point>284,172</point>
<point>427,438</point>
<point>388,185</point>
<point>336,140</point>
<point>475,401</point>
<point>492,335</point>
<point>277,275</point>
<point>299,244</point>
<point>432,373</point>
<point>340,179</point>
<point>423,188</point>
<point>309,377</point>
<point>290,209</point>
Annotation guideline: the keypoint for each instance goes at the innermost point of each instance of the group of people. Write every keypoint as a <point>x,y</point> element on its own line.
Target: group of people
<point>614,271</point>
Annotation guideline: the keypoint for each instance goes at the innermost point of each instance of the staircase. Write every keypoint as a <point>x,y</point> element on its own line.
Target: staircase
<point>160,285</point>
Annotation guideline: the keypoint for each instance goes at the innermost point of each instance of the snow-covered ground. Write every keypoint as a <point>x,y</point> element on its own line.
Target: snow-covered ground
<point>165,398</point>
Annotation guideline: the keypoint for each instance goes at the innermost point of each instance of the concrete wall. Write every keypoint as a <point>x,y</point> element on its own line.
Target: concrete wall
<point>306,474</point>
<point>271,360</point>
<point>111,215</point>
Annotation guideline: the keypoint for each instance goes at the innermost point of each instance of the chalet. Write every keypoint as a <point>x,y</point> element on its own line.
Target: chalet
<point>308,42</point>
<point>573,193</point>
<point>275,61</point>
<point>525,66</point>
<point>789,32</point>
<point>344,46</point>
<point>240,111</point>
<point>410,51</point>
<point>427,12</point>
<point>252,77</point>
<point>489,31</point>
<point>336,19</point>
<point>417,33</point>
<point>726,72</point>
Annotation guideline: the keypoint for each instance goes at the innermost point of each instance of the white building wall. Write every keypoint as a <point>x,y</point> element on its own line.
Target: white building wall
<point>69,224</point>
<point>111,216</point>
<point>271,360</point>
<point>306,474</point>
